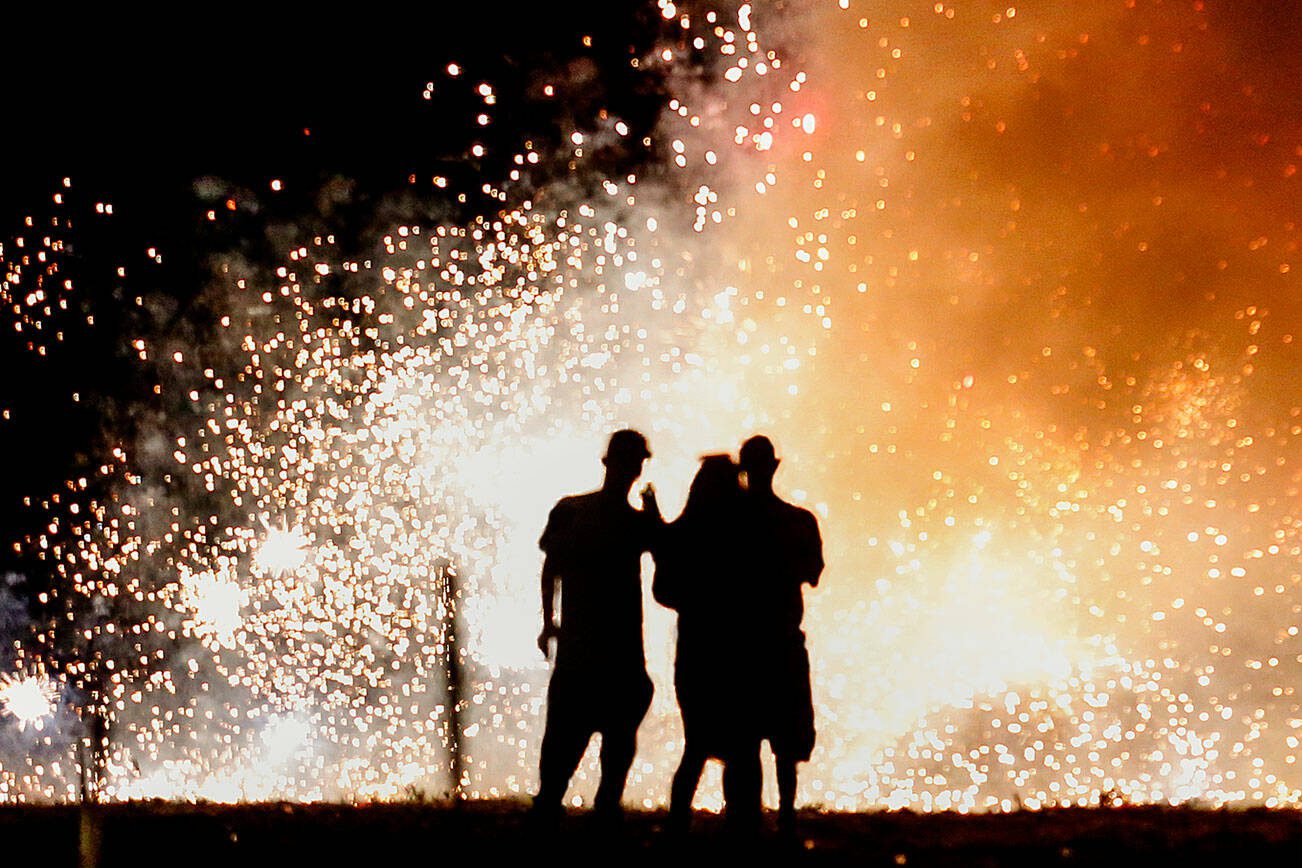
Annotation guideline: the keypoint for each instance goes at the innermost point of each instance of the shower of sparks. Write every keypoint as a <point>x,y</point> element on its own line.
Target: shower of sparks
<point>29,699</point>
<point>283,550</point>
<point>215,602</point>
<point>34,291</point>
<point>1050,431</point>
<point>284,737</point>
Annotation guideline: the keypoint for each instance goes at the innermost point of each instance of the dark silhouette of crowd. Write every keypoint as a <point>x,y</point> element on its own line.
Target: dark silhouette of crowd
<point>733,566</point>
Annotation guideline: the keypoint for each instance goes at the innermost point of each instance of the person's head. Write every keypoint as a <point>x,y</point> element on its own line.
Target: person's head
<point>759,462</point>
<point>713,486</point>
<point>624,456</point>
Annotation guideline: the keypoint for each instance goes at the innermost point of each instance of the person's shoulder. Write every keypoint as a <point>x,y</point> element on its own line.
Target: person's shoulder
<point>562,520</point>
<point>567,502</point>
<point>575,501</point>
<point>797,513</point>
<point>800,520</point>
<point>677,530</point>
<point>574,506</point>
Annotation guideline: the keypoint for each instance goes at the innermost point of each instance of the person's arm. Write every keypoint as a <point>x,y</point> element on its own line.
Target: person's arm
<point>653,521</point>
<point>551,543</point>
<point>666,581</point>
<point>550,581</point>
<point>810,566</point>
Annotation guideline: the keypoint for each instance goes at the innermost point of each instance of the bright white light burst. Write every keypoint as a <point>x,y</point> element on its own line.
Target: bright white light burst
<point>28,698</point>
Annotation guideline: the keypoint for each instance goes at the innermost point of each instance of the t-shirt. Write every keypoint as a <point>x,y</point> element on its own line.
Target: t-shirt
<point>785,553</point>
<point>595,543</point>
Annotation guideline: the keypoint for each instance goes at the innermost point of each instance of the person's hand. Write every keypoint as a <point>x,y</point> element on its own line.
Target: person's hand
<point>649,503</point>
<point>545,640</point>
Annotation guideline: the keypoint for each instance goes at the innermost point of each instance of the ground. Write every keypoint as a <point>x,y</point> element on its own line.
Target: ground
<point>499,833</point>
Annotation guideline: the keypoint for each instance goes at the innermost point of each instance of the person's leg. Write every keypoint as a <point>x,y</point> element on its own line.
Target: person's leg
<point>743,783</point>
<point>786,792</point>
<point>617,750</point>
<point>686,779</point>
<point>565,738</point>
<point>794,737</point>
<point>619,746</point>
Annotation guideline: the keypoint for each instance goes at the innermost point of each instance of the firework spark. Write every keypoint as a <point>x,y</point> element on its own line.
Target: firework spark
<point>1038,392</point>
<point>29,699</point>
<point>283,550</point>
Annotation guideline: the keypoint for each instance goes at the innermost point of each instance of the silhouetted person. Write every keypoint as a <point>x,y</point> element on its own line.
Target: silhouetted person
<point>698,574</point>
<point>593,546</point>
<point>784,553</point>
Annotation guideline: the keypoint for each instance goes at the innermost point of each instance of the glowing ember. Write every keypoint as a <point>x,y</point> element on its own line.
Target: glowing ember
<point>27,698</point>
<point>216,602</point>
<point>1013,293</point>
<point>283,551</point>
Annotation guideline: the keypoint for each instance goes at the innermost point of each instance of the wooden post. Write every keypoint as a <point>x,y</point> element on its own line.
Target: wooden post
<point>455,684</point>
<point>90,830</point>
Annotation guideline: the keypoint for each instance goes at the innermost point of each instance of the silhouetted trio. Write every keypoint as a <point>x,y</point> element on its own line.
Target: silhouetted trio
<point>733,566</point>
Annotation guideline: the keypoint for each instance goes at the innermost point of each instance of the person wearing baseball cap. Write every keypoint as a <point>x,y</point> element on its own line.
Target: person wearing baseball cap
<point>593,546</point>
<point>784,553</point>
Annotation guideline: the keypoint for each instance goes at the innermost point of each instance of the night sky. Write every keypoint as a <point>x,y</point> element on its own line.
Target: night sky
<point>135,108</point>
